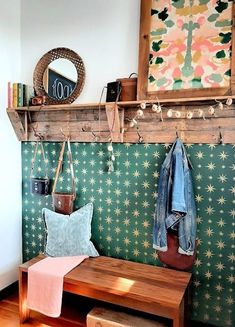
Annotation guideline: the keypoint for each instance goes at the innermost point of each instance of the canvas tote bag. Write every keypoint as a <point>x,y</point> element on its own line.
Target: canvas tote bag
<point>63,202</point>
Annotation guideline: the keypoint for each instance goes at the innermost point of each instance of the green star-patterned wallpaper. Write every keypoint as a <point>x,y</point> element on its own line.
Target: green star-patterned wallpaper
<point>124,202</point>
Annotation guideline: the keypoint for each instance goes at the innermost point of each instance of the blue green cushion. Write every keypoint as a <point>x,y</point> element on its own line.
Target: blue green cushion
<point>69,235</point>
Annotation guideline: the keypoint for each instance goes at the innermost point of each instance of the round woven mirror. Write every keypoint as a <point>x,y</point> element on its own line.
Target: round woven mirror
<point>59,75</point>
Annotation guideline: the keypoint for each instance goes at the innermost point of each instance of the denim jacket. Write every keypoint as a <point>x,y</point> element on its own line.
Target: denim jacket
<point>175,204</point>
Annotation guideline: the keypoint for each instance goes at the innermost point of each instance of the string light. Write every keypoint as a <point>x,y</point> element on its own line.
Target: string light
<point>171,113</point>
<point>143,105</point>
<point>189,114</point>
<point>229,101</point>
<point>201,113</point>
<point>139,113</point>
<point>220,106</point>
<point>211,110</point>
<point>156,108</point>
<point>111,158</point>
<point>133,122</point>
<point>177,114</point>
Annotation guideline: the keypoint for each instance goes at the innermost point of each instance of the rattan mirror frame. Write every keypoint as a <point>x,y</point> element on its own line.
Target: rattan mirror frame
<point>42,65</point>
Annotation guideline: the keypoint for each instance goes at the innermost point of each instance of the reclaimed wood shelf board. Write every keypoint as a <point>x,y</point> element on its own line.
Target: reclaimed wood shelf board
<point>100,122</point>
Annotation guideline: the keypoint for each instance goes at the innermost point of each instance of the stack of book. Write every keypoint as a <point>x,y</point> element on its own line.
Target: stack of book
<point>19,94</point>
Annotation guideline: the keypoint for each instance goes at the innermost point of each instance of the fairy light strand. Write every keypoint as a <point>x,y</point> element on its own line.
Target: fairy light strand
<point>172,113</point>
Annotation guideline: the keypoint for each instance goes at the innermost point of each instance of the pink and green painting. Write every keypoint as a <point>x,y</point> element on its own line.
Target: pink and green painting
<point>190,44</point>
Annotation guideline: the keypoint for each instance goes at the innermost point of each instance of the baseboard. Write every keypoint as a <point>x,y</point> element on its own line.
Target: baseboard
<point>9,290</point>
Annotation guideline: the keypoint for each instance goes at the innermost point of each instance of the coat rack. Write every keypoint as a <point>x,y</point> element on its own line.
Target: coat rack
<point>196,120</point>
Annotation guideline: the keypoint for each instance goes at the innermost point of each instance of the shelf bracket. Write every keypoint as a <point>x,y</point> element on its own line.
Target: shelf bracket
<point>17,124</point>
<point>114,122</point>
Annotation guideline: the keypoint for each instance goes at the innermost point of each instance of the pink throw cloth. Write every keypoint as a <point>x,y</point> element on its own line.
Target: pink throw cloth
<point>45,283</point>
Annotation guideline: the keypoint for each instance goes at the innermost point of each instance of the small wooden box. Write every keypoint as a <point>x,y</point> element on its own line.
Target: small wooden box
<point>102,317</point>
<point>128,89</point>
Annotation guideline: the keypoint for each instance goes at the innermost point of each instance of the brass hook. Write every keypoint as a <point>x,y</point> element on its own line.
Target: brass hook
<point>39,136</point>
<point>94,136</point>
<point>67,137</point>
<point>176,133</point>
<point>221,140</point>
<point>141,140</point>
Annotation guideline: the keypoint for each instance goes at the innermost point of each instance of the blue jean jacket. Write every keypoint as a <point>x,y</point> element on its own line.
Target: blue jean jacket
<point>175,204</point>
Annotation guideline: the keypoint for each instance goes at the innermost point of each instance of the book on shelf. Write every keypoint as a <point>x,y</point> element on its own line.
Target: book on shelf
<point>19,94</point>
<point>9,95</point>
<point>15,94</point>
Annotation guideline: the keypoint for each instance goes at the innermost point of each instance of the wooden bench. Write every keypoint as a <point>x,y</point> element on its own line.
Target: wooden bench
<point>142,287</point>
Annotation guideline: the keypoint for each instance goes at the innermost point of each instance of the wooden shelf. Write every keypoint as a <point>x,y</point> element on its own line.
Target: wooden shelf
<point>94,122</point>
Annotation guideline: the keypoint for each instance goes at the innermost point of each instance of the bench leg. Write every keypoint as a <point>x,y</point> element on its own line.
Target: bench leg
<point>23,310</point>
<point>178,321</point>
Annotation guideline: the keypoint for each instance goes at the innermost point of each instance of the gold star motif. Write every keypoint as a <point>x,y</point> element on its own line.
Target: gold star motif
<point>221,222</point>
<point>211,166</point>
<point>210,188</point>
<point>223,155</point>
<point>231,257</point>
<point>232,190</point>
<point>126,222</point>
<point>207,296</point>
<point>229,300</point>
<point>217,308</point>
<point>209,254</point>
<point>127,241</point>
<point>220,245</point>
<point>199,155</point>
<point>154,255</point>
<point>232,235</point>
<point>208,274</point>
<point>210,210</point>
<point>136,232</point>
<point>146,244</point>
<point>222,178</point>
<point>146,164</point>
<point>117,249</point>
<point>209,232</point>
<point>232,213</point>
<point>136,252</point>
<point>221,200</point>
<point>117,230</point>
<point>196,283</point>
<point>199,198</point>
<point>197,263</point>
<point>145,223</point>
<point>108,220</point>
<point>219,288</point>
<point>219,266</point>
<point>108,238</point>
<point>231,279</point>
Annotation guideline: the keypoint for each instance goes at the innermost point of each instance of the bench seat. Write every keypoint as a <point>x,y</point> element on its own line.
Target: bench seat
<point>142,287</point>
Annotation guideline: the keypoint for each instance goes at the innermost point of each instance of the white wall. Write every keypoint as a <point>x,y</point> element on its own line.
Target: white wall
<point>10,149</point>
<point>103,32</point>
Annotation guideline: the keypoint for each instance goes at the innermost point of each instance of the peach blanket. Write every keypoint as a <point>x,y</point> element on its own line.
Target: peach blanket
<point>45,283</point>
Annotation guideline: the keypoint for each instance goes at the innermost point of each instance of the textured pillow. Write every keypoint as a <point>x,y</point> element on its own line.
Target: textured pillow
<point>69,235</point>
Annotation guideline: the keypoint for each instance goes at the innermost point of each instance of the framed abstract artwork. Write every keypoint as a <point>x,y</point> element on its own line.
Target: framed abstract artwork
<point>187,49</point>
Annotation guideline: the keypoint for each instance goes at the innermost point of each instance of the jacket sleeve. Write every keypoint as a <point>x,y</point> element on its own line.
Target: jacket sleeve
<point>178,204</point>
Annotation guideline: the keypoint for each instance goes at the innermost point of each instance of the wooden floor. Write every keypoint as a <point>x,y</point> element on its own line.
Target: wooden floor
<point>74,311</point>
